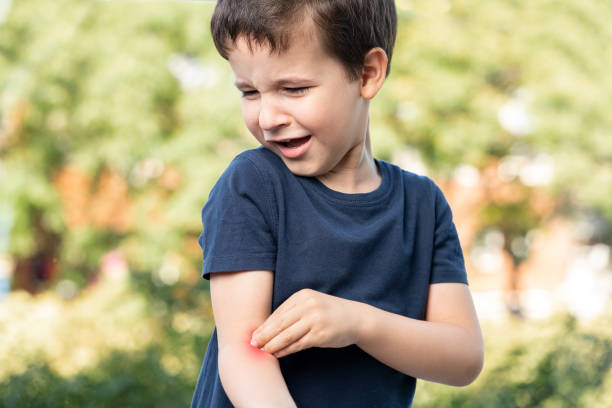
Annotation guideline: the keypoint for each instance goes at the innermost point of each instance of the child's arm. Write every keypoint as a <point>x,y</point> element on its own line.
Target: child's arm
<point>446,348</point>
<point>241,301</point>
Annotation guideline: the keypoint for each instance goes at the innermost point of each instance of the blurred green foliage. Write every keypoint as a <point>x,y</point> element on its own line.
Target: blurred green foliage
<point>554,363</point>
<point>133,361</point>
<point>121,379</point>
<point>108,346</point>
<point>94,82</point>
<point>91,86</point>
<point>102,146</point>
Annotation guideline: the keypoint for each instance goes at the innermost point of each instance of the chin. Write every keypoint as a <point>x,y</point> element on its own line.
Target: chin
<point>300,169</point>
<point>297,167</point>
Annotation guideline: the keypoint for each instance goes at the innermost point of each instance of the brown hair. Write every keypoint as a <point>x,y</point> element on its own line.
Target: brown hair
<point>348,28</point>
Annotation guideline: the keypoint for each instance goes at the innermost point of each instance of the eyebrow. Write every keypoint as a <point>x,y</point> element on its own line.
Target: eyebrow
<point>280,82</point>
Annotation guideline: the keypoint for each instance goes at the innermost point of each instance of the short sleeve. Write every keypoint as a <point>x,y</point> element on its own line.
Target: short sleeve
<point>238,222</point>
<point>448,264</point>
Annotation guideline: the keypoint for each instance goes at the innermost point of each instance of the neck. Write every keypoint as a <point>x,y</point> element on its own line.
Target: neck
<point>359,174</point>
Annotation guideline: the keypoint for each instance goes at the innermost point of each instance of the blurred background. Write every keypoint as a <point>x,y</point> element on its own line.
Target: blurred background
<point>117,117</point>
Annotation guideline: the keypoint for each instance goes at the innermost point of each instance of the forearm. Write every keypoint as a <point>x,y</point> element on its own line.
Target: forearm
<point>252,378</point>
<point>439,352</point>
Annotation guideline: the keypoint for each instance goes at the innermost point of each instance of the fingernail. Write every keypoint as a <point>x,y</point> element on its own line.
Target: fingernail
<point>253,343</point>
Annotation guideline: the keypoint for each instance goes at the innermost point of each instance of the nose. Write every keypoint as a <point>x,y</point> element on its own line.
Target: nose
<point>271,114</point>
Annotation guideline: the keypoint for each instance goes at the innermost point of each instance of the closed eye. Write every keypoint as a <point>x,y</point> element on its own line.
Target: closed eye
<point>293,91</point>
<point>298,91</point>
<point>248,93</point>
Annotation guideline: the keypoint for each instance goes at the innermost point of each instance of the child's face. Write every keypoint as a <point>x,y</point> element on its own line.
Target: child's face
<point>302,94</point>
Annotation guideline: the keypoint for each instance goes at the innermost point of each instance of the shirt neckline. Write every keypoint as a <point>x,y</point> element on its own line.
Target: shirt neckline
<point>369,198</point>
<point>353,199</point>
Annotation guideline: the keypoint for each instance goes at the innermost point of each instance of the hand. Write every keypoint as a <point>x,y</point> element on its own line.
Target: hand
<point>309,318</point>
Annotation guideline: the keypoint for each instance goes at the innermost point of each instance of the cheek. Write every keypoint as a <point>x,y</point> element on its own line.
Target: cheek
<point>328,120</point>
<point>250,114</point>
<point>317,116</point>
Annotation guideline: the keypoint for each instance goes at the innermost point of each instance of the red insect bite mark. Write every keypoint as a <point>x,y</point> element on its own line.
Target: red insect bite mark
<point>254,351</point>
<point>257,353</point>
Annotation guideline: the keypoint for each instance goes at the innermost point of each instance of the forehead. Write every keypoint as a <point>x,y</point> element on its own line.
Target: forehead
<point>305,56</point>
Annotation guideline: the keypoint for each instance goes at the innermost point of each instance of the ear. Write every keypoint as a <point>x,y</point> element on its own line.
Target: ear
<point>373,72</point>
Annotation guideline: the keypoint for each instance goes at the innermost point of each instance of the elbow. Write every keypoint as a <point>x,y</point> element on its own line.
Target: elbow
<point>472,367</point>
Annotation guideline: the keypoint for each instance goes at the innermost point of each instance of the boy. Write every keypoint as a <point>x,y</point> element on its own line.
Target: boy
<point>336,278</point>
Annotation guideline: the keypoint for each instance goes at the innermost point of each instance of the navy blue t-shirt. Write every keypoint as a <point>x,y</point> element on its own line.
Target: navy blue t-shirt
<point>383,248</point>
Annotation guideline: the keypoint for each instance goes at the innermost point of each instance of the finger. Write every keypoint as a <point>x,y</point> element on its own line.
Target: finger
<point>272,328</point>
<point>299,345</point>
<point>287,337</point>
<point>274,324</point>
<point>290,335</point>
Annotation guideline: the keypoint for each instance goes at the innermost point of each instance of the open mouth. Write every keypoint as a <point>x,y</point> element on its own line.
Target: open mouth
<point>295,143</point>
<point>294,148</point>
